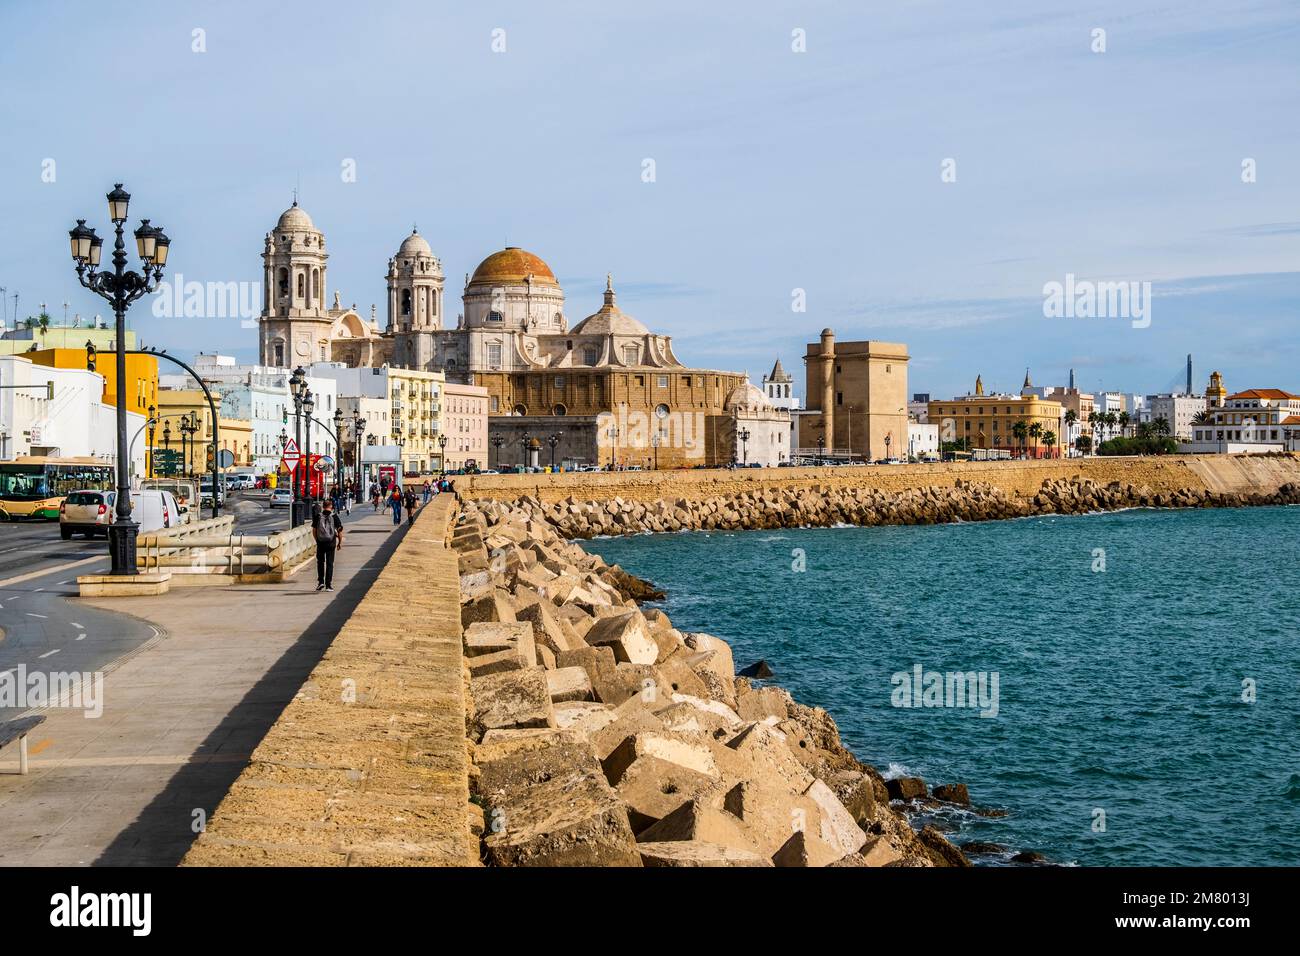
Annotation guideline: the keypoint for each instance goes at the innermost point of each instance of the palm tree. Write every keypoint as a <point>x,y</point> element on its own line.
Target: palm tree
<point>1020,429</point>
<point>1144,430</point>
<point>1035,430</point>
<point>1203,417</point>
<point>1071,416</point>
<point>1111,420</point>
<point>1161,426</point>
<point>1049,439</point>
<point>1123,420</point>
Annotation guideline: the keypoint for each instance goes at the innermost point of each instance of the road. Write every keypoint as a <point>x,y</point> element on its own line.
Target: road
<point>42,631</point>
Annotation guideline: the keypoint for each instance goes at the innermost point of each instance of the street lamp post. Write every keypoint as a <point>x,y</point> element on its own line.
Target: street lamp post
<point>120,287</point>
<point>338,440</point>
<point>358,441</point>
<point>553,440</point>
<point>497,441</point>
<point>167,444</point>
<point>297,382</point>
<point>308,494</point>
<point>153,433</point>
<point>524,444</point>
<point>743,435</point>
<point>442,454</point>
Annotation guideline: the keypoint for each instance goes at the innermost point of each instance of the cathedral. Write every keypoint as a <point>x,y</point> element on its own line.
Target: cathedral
<point>610,391</point>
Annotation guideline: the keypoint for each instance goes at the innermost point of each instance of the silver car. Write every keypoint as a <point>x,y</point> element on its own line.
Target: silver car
<point>87,512</point>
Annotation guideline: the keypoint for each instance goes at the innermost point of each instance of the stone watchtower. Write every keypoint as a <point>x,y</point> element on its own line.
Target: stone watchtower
<point>415,283</point>
<point>294,327</point>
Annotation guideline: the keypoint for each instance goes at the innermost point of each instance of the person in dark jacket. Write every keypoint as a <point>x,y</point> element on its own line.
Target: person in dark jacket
<point>412,504</point>
<point>327,530</point>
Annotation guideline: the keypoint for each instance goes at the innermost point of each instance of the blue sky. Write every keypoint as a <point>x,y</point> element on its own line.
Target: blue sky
<point>775,170</point>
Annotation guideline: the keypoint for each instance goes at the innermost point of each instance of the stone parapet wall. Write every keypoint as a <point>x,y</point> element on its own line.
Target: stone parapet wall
<point>1165,474</point>
<point>367,766</point>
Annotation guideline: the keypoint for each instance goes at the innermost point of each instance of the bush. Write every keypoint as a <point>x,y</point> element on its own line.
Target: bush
<point>1138,446</point>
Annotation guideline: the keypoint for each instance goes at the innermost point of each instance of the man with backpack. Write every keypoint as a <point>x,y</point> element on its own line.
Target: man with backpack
<point>327,530</point>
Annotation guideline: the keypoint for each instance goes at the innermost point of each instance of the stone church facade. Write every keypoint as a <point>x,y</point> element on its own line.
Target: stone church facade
<point>609,390</point>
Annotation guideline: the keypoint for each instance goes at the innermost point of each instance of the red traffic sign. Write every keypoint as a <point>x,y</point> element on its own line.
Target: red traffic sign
<point>291,454</point>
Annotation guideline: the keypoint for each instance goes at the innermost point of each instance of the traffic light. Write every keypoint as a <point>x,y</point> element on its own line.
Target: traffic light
<point>90,356</point>
<point>49,390</point>
<point>212,456</point>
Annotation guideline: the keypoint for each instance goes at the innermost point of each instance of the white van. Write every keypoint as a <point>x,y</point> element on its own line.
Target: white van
<point>155,510</point>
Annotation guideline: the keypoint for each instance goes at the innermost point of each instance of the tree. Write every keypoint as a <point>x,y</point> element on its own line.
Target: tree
<point>1035,430</point>
<point>1144,430</point>
<point>1071,416</point>
<point>1084,444</point>
<point>1203,417</point>
<point>1049,439</point>
<point>1123,419</point>
<point>1020,429</point>
<point>1161,426</point>
<point>43,320</point>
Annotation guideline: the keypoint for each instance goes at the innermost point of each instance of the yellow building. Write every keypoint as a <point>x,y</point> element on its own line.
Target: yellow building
<point>417,406</point>
<point>858,391</point>
<point>177,404</point>
<point>141,374</point>
<point>989,422</point>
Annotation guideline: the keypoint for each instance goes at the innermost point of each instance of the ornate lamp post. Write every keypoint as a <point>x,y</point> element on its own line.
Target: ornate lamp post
<point>525,444</point>
<point>442,453</point>
<point>888,439</point>
<point>120,288</point>
<point>308,406</point>
<point>821,445</point>
<point>359,441</point>
<point>153,433</point>
<point>553,440</point>
<point>167,444</point>
<point>188,428</point>
<point>743,435</point>
<point>497,441</point>
<point>297,382</point>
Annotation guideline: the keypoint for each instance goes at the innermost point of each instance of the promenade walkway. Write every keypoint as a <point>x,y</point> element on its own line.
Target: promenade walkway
<point>182,713</point>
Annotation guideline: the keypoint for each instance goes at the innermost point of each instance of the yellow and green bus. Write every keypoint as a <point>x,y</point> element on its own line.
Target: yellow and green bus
<point>33,486</point>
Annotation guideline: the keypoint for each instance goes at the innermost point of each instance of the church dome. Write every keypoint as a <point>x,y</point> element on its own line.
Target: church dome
<point>295,219</point>
<point>512,265</point>
<point>414,245</point>
<point>747,396</point>
<point>610,320</point>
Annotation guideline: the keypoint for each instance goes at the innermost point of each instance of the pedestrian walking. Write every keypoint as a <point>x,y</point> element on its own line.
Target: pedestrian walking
<point>428,493</point>
<point>327,530</point>
<point>412,504</point>
<point>374,496</point>
<point>395,502</point>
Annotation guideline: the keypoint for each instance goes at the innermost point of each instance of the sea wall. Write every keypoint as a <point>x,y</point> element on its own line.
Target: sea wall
<point>1222,473</point>
<point>367,765</point>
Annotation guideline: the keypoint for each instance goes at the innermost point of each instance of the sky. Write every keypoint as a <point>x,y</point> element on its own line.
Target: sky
<point>827,169</point>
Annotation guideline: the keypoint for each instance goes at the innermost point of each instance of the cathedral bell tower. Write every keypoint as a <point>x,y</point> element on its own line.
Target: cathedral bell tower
<point>294,327</point>
<point>415,282</point>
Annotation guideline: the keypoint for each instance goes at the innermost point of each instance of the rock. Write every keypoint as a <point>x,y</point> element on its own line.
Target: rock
<point>794,852</point>
<point>982,848</point>
<point>906,788</point>
<point>694,820</point>
<point>856,791</point>
<point>673,748</point>
<point>484,664</point>
<point>953,793</point>
<point>652,788</point>
<point>681,679</point>
<point>756,703</point>
<point>569,683</point>
<point>511,699</point>
<point>1029,857</point>
<point>628,635</point>
<point>759,669</point>
<point>837,828</point>
<point>484,638</point>
<point>548,631</point>
<point>493,606</point>
<point>583,716</point>
<point>551,806</point>
<point>697,853</point>
<point>940,851</point>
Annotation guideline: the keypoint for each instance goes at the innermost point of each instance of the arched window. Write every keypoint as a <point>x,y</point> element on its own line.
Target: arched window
<point>301,285</point>
<point>315,286</point>
<point>406,302</point>
<point>284,283</point>
<point>559,410</point>
<point>279,353</point>
<point>495,316</point>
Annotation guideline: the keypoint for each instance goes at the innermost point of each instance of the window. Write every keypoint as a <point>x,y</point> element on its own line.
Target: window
<point>406,302</point>
<point>284,283</point>
<point>590,355</point>
<point>494,356</point>
<point>279,354</point>
<point>663,381</point>
<point>640,381</point>
<point>495,316</point>
<point>839,398</point>
<point>301,283</point>
<point>631,355</point>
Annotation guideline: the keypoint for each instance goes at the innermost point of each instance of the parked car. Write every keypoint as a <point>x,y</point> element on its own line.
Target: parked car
<point>281,498</point>
<point>86,512</point>
<point>182,488</point>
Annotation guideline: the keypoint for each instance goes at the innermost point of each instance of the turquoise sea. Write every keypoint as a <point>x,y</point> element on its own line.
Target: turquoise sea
<point>1148,665</point>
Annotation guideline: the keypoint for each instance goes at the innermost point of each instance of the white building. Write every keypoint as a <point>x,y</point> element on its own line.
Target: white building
<point>918,409</point>
<point>1179,411</point>
<point>778,386</point>
<point>761,431</point>
<point>1256,421</point>
<point>74,422</point>
<point>922,440</point>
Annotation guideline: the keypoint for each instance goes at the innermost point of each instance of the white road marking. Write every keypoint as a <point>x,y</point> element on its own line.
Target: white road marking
<point>76,625</point>
<point>81,637</point>
<point>50,653</point>
<point>30,614</point>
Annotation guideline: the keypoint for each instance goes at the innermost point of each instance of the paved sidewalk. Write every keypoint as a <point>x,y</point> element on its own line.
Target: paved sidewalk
<point>181,715</point>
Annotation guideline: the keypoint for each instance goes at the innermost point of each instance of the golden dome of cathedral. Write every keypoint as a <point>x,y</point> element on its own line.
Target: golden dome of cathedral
<point>511,265</point>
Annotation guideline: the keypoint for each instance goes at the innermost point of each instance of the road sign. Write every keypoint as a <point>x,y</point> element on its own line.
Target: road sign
<point>225,458</point>
<point>324,463</point>
<point>291,454</point>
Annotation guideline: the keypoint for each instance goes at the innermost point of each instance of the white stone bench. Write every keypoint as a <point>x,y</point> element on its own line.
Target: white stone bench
<point>18,730</point>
